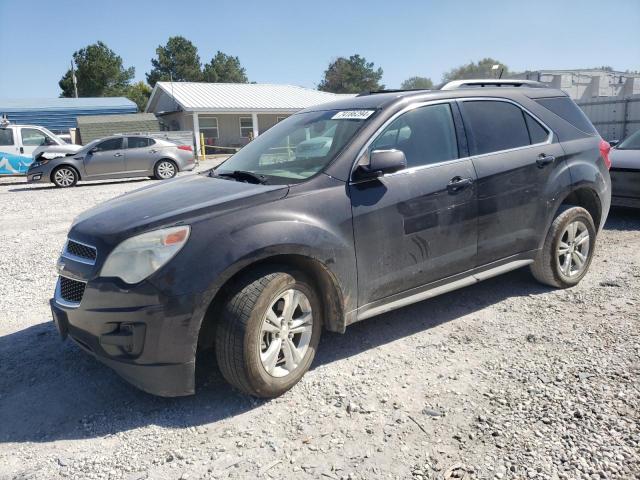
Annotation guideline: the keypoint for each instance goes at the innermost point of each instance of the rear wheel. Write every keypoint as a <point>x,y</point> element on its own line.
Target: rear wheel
<point>165,169</point>
<point>568,249</point>
<point>64,177</point>
<point>269,332</point>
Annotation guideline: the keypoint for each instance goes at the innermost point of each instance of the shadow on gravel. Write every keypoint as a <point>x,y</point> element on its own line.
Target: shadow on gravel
<point>623,219</point>
<point>50,186</point>
<point>50,390</point>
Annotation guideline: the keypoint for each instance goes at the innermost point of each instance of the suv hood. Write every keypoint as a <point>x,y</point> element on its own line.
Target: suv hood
<point>174,201</point>
<point>54,151</point>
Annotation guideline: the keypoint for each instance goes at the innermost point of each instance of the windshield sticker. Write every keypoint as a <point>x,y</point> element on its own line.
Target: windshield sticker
<point>353,115</point>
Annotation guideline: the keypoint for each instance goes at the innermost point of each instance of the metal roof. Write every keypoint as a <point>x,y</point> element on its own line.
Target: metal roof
<point>236,97</point>
<point>59,114</point>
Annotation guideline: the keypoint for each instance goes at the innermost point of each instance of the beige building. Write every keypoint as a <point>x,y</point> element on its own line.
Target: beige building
<point>229,114</point>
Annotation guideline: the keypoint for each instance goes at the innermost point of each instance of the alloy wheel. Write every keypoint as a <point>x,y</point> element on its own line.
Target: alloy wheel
<point>64,177</point>
<point>573,249</point>
<point>285,333</point>
<point>166,170</point>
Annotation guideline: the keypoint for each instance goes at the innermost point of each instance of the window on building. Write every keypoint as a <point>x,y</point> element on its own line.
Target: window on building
<point>32,137</point>
<point>111,144</point>
<point>426,135</point>
<point>209,129</point>
<point>246,127</point>
<point>496,125</point>
<point>6,137</point>
<point>280,118</point>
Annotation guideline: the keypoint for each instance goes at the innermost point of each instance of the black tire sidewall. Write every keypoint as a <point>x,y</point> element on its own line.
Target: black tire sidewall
<point>571,216</point>
<point>263,383</point>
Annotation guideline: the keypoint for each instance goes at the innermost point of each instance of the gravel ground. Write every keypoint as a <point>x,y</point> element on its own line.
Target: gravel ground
<point>504,379</point>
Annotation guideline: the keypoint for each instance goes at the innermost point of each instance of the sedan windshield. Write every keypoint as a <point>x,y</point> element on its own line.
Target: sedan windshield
<point>296,148</point>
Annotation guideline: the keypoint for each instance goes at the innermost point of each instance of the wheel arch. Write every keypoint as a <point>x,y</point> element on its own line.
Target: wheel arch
<point>586,198</point>
<point>331,295</point>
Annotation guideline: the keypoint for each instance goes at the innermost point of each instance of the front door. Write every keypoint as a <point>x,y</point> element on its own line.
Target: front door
<point>106,158</point>
<point>514,157</point>
<point>417,225</point>
<point>32,138</point>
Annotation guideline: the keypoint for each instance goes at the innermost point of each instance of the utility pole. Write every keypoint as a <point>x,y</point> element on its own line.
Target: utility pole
<point>75,81</point>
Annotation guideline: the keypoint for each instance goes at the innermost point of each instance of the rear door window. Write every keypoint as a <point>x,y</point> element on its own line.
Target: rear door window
<point>537,133</point>
<point>6,137</point>
<point>137,142</point>
<point>566,108</point>
<point>496,125</point>
<point>426,135</point>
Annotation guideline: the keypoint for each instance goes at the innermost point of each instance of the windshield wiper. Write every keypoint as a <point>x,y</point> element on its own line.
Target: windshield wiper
<point>242,175</point>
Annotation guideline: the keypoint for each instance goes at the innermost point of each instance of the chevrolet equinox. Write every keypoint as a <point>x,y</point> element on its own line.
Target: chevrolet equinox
<point>340,212</point>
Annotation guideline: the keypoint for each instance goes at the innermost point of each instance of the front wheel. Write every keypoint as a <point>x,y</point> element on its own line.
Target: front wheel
<point>568,249</point>
<point>64,177</point>
<point>269,332</point>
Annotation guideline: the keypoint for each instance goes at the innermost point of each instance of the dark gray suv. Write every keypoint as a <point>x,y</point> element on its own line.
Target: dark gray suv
<point>339,213</point>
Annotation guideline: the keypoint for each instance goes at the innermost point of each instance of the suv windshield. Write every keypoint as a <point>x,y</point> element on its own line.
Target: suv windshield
<point>298,147</point>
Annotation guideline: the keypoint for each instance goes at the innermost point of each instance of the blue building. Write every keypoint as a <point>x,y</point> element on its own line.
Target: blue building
<point>59,114</point>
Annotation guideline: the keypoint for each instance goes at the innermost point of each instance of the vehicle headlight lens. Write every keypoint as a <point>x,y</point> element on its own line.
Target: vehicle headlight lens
<point>138,257</point>
<point>41,162</point>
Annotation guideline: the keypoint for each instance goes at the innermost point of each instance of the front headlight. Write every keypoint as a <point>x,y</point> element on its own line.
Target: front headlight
<point>40,162</point>
<point>138,257</point>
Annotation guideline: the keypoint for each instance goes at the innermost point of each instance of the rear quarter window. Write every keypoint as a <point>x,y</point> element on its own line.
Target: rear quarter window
<point>566,109</point>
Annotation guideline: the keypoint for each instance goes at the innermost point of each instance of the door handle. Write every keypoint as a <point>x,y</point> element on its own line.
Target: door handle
<point>544,160</point>
<point>117,154</point>
<point>458,183</point>
<point>21,149</point>
<point>153,151</point>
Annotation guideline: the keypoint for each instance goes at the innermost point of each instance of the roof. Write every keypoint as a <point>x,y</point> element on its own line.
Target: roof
<point>59,114</point>
<point>235,97</point>
<point>127,117</point>
<point>87,103</point>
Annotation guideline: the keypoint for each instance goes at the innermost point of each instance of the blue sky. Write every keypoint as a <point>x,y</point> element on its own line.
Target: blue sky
<point>294,41</point>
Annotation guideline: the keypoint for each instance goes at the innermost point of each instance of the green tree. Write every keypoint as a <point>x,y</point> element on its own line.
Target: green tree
<point>417,82</point>
<point>351,75</point>
<point>138,93</point>
<point>99,73</point>
<point>482,69</point>
<point>224,68</point>
<point>177,60</point>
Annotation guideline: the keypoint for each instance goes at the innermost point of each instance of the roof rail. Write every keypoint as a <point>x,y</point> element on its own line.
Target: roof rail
<point>492,82</point>
<point>393,90</point>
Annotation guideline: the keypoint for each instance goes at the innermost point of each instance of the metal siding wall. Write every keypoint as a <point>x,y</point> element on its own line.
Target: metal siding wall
<point>613,118</point>
<point>60,120</point>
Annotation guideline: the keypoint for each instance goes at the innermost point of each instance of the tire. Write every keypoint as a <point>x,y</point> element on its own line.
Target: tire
<point>556,269</point>
<point>246,342</point>
<point>165,169</point>
<point>64,176</point>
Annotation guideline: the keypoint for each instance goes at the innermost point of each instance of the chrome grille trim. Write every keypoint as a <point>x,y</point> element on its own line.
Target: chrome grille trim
<point>58,296</point>
<point>80,252</point>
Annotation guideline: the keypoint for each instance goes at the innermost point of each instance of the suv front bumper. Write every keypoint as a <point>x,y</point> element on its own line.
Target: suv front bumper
<point>150,344</point>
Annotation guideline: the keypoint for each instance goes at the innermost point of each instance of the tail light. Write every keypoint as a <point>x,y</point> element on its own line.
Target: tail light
<point>189,148</point>
<point>605,148</point>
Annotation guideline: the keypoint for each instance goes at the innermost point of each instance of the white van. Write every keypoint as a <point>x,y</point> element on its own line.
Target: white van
<point>17,143</point>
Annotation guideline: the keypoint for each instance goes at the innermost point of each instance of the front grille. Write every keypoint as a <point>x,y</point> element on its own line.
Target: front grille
<point>71,290</point>
<point>81,250</point>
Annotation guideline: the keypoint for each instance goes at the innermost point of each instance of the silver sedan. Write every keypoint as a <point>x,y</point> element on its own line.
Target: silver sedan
<point>119,156</point>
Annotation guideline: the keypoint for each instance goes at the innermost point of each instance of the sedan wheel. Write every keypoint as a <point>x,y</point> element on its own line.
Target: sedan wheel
<point>165,169</point>
<point>64,177</point>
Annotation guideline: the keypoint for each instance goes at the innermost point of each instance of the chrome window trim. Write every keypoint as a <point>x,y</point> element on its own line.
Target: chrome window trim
<point>57,296</point>
<point>413,106</point>
<point>70,256</point>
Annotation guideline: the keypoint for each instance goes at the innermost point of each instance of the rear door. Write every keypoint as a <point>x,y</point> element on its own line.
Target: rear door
<point>415,226</point>
<point>140,154</point>
<point>106,158</point>
<point>514,157</point>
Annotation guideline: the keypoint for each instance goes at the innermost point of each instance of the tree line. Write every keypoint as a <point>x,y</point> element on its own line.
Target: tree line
<point>100,72</point>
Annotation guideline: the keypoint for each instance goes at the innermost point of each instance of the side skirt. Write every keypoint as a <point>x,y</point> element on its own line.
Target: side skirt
<point>440,287</point>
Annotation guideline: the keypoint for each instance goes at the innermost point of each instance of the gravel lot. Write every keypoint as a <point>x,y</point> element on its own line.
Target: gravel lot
<point>505,379</point>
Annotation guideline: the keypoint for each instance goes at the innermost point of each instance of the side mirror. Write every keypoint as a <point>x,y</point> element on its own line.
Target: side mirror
<point>613,143</point>
<point>381,162</point>
<point>93,150</point>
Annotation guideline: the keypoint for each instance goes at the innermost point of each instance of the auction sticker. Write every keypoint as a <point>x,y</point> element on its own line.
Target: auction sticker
<point>353,115</point>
